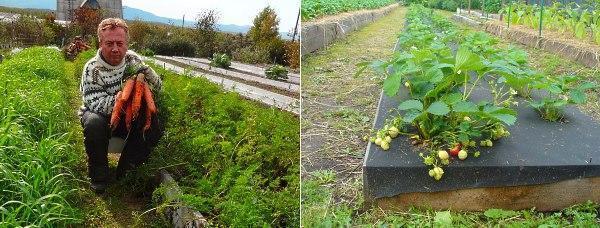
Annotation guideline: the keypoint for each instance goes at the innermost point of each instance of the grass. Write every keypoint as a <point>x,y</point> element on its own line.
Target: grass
<point>36,158</point>
<point>237,161</point>
<point>332,182</point>
<point>322,210</point>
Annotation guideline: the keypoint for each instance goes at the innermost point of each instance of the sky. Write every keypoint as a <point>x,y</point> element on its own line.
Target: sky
<point>239,12</point>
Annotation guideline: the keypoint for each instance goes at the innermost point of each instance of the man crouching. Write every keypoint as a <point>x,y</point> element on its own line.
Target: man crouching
<point>102,78</point>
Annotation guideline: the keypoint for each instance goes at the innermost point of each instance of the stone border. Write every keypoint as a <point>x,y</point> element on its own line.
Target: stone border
<point>180,216</point>
<point>587,57</point>
<point>317,35</point>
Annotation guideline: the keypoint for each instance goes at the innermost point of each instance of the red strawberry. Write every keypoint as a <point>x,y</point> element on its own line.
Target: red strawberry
<point>454,151</point>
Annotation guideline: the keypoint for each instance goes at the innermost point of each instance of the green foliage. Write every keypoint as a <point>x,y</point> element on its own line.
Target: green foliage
<point>35,141</point>
<point>276,72</point>
<point>316,8</point>
<point>220,60</point>
<point>578,21</point>
<point>241,159</point>
<point>251,55</point>
<point>560,92</point>
<point>147,52</point>
<point>172,46</point>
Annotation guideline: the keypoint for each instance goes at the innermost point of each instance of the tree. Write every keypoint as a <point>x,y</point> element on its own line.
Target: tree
<point>265,35</point>
<point>265,27</point>
<point>206,32</point>
<point>87,19</point>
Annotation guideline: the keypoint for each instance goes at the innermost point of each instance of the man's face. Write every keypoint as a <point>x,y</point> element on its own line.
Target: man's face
<point>113,45</point>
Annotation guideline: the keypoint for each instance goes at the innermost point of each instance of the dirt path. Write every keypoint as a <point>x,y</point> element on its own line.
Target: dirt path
<point>337,108</point>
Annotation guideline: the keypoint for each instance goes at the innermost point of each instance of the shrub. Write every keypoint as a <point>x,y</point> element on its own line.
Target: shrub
<point>174,46</point>
<point>251,55</point>
<point>292,54</point>
<point>147,52</point>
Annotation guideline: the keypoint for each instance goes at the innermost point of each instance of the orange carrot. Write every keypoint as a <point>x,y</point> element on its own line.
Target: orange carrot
<point>149,100</point>
<point>148,119</point>
<point>128,115</point>
<point>137,96</point>
<point>116,113</point>
<point>128,88</point>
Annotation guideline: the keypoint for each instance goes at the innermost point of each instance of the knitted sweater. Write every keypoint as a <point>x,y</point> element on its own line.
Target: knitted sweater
<point>100,81</point>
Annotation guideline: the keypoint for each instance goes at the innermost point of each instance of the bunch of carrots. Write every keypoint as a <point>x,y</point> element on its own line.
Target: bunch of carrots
<point>129,102</point>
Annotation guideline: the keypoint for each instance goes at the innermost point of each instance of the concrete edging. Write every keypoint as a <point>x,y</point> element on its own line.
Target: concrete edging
<point>317,35</point>
<point>179,215</point>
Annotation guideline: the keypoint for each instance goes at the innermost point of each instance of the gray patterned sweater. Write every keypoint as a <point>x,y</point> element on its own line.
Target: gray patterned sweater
<point>100,81</point>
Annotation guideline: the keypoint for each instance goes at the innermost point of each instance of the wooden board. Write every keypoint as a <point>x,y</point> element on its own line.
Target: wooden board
<point>544,197</point>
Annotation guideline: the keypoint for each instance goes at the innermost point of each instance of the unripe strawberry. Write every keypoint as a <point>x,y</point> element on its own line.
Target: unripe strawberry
<point>462,154</point>
<point>438,170</point>
<point>442,154</point>
<point>393,132</point>
<point>388,139</point>
<point>378,141</point>
<point>467,118</point>
<point>385,145</point>
<point>431,173</point>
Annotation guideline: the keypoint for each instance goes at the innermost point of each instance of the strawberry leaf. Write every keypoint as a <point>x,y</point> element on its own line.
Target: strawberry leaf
<point>438,108</point>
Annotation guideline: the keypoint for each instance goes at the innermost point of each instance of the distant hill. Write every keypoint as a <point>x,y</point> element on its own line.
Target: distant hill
<point>130,13</point>
<point>32,4</point>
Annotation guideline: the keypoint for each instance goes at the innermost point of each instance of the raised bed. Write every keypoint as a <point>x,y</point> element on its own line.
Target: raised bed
<point>289,87</point>
<point>245,68</point>
<point>267,97</point>
<point>317,35</point>
<point>546,165</point>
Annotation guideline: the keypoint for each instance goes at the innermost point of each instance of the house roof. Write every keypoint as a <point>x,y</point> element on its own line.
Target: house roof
<point>92,4</point>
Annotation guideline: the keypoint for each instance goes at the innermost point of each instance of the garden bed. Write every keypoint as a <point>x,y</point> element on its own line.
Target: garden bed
<point>537,152</point>
<point>267,97</point>
<point>317,35</point>
<point>535,159</point>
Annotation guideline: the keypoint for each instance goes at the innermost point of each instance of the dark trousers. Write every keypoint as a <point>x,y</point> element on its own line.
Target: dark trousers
<point>138,144</point>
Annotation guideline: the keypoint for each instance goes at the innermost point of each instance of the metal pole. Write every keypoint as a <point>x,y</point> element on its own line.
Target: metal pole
<point>541,16</point>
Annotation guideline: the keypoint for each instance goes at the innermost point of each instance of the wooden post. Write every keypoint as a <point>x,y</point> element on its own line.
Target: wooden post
<point>296,27</point>
<point>502,13</point>
<point>469,7</point>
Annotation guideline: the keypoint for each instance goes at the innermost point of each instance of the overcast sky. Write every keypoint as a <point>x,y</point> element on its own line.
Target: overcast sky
<point>239,12</point>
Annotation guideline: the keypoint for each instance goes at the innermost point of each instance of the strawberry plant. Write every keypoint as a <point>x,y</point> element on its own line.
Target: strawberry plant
<point>560,92</point>
<point>439,81</point>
